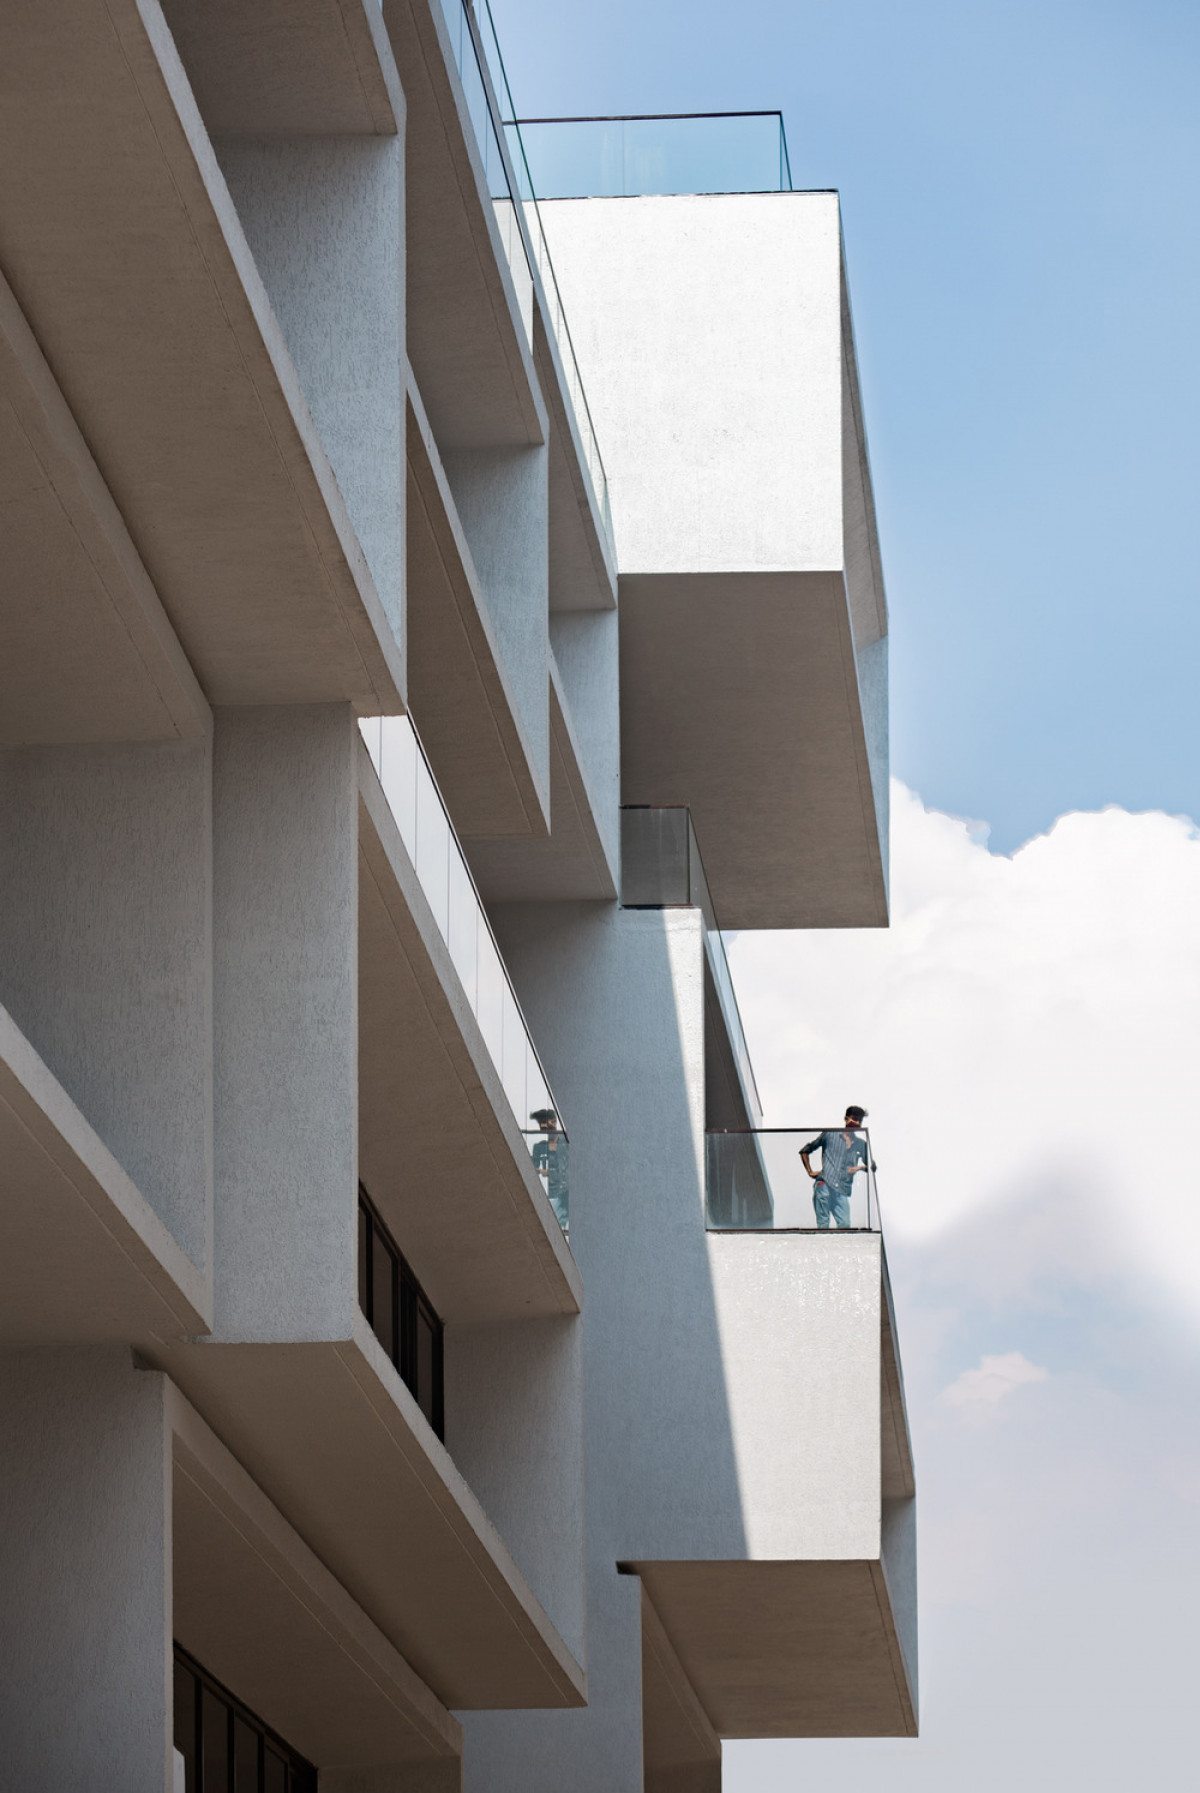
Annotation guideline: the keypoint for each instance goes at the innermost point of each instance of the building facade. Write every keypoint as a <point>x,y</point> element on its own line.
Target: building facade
<point>427,619</point>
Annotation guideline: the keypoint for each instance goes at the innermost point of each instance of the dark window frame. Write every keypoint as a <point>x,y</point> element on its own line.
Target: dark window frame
<point>381,1264</point>
<point>300,1774</point>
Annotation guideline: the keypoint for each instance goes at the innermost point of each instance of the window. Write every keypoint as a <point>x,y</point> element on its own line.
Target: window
<point>226,1749</point>
<point>400,1314</point>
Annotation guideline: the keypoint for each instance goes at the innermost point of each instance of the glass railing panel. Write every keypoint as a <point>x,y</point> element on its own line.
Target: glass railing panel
<point>623,158</point>
<point>462,935</point>
<point>433,853</point>
<point>424,824</point>
<point>756,1181</point>
<point>490,1007</point>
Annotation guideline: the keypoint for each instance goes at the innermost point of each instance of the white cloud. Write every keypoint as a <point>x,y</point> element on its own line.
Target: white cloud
<point>994,1378</point>
<point>1026,1036</point>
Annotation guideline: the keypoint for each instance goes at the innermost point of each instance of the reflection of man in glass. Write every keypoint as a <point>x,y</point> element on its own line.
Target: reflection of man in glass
<point>843,1155</point>
<point>550,1161</point>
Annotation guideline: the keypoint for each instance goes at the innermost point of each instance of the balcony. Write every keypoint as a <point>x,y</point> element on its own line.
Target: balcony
<point>461,1142</point>
<point>755,1181</point>
<point>714,333</point>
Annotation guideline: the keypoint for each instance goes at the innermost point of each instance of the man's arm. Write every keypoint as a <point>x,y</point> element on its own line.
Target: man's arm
<point>817,1144</point>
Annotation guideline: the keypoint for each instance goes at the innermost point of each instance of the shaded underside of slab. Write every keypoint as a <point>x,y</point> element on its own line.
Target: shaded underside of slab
<point>126,256</point>
<point>740,699</point>
<point>83,1257</point>
<point>252,1603</point>
<point>336,1441</point>
<point>785,1649</point>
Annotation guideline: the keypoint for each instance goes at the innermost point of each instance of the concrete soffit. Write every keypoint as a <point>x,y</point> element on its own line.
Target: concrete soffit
<point>87,652</point>
<point>83,1256</point>
<point>261,1611</point>
<point>289,68</point>
<point>125,252</point>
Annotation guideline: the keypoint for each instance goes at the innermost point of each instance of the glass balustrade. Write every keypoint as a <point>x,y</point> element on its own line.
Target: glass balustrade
<point>661,867</point>
<point>415,802</point>
<point>688,152</point>
<point>510,185</point>
<point>756,1181</point>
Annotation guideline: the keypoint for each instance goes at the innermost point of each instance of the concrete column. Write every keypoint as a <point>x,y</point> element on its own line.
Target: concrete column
<point>285,1020</point>
<point>514,1426</point>
<point>324,217</point>
<point>503,502</point>
<point>105,952</point>
<point>595,1750</point>
<point>85,1546</point>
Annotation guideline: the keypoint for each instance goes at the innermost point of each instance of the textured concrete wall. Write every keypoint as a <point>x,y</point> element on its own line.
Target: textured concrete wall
<point>85,1626</point>
<point>799,1319</point>
<point>503,502</point>
<point>709,336</point>
<point>105,953</point>
<point>285,866</point>
<point>596,1750</point>
<point>324,217</point>
<point>514,1426</point>
<point>585,647</point>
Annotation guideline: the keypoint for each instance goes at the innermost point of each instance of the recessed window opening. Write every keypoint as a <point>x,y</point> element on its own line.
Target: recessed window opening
<point>225,1747</point>
<point>400,1313</point>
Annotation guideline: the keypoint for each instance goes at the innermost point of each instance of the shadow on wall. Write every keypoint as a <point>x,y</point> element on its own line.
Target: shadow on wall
<point>615,1000</point>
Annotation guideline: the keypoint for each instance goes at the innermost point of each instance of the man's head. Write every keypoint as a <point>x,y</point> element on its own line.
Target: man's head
<point>855,1116</point>
<point>546,1119</point>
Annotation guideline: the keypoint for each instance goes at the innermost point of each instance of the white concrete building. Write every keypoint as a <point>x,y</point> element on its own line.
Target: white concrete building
<point>417,1368</point>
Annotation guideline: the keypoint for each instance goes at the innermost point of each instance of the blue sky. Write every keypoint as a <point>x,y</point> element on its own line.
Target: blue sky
<point>1019,193</point>
<point>1019,184</point>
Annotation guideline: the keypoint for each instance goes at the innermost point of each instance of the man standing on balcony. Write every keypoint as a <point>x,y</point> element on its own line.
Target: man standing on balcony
<point>550,1161</point>
<point>843,1155</point>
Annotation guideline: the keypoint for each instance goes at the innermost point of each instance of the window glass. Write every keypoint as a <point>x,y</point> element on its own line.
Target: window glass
<point>275,1774</point>
<point>214,1738</point>
<point>185,1723</point>
<point>245,1757</point>
<point>364,1263</point>
<point>383,1311</point>
<point>426,1347</point>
